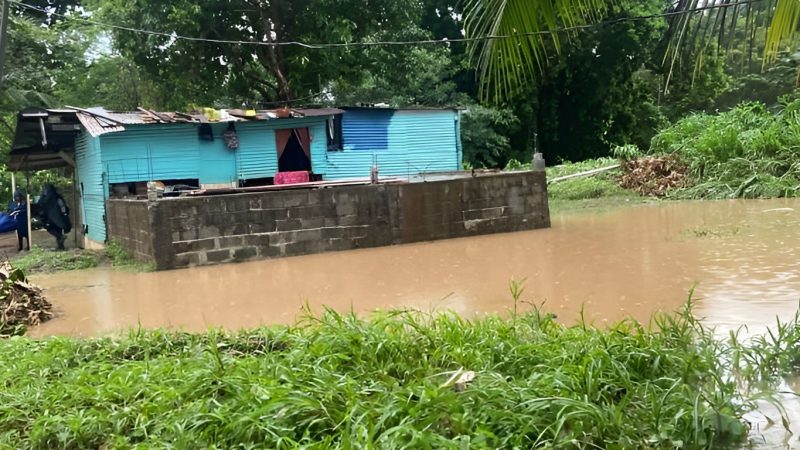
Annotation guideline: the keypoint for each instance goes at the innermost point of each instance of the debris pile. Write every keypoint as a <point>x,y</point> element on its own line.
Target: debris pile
<point>653,175</point>
<point>21,304</point>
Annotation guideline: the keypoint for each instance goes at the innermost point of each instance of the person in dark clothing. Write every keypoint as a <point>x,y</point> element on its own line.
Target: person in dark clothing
<point>54,213</point>
<point>19,211</point>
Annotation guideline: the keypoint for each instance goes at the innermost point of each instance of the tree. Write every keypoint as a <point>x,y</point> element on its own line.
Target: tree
<point>264,67</point>
<point>39,52</point>
<point>509,63</point>
<point>485,135</point>
<point>116,83</point>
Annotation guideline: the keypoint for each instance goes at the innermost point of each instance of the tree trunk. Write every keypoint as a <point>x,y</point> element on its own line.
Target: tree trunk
<point>273,53</point>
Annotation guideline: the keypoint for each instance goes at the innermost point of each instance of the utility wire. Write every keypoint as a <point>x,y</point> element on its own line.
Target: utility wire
<point>388,43</point>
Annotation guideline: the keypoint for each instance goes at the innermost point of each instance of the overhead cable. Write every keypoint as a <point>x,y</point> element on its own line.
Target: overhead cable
<point>176,37</point>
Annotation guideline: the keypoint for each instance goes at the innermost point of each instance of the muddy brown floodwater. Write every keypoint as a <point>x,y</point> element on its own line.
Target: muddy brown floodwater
<point>742,255</point>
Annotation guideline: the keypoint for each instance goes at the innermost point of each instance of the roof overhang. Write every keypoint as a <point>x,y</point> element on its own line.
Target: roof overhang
<point>44,139</point>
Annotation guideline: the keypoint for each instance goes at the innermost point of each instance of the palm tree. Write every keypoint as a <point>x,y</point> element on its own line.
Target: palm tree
<point>513,38</point>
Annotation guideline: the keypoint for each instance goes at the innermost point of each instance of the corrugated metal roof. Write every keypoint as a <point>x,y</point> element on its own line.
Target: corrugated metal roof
<point>97,126</point>
<point>316,112</point>
<point>380,106</point>
<point>146,116</point>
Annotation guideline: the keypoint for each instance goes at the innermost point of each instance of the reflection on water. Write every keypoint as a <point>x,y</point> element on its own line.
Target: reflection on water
<point>741,255</point>
<point>768,430</point>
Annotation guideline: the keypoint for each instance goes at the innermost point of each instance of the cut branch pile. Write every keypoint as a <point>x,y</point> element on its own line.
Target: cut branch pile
<point>21,304</point>
<point>653,175</point>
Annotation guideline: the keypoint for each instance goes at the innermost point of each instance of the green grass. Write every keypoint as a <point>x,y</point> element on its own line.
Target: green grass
<point>592,193</point>
<point>748,152</point>
<point>601,186</point>
<point>121,258</point>
<point>43,260</point>
<point>40,260</point>
<point>341,382</point>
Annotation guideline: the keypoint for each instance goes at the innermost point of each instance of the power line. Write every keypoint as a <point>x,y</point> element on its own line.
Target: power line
<point>177,37</point>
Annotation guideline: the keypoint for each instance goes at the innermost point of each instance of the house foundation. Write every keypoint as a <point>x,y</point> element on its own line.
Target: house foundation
<point>196,231</point>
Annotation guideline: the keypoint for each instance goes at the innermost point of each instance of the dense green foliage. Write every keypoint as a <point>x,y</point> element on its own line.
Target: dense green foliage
<point>603,90</point>
<point>747,152</point>
<point>697,30</point>
<point>340,382</point>
<point>606,87</point>
<point>485,135</point>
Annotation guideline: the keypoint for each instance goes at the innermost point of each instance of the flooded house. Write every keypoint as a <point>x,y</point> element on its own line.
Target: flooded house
<point>234,185</point>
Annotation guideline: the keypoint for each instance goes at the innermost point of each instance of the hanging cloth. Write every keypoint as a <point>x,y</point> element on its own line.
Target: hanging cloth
<point>282,138</point>
<point>304,136</point>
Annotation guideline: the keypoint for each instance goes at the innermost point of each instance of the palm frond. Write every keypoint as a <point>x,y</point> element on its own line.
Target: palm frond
<point>516,37</point>
<point>785,26</point>
<point>761,28</point>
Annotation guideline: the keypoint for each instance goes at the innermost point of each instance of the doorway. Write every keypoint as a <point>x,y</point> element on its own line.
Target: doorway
<point>294,150</point>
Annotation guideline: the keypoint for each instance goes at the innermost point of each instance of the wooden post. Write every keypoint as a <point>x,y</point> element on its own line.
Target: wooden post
<point>75,205</point>
<point>30,228</point>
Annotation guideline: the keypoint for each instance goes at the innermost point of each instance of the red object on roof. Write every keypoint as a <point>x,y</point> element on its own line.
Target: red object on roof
<point>292,177</point>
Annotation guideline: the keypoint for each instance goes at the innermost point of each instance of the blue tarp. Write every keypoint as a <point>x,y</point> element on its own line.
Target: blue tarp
<point>7,223</point>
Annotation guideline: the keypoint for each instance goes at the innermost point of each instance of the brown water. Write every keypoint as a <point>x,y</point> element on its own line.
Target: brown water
<point>743,256</point>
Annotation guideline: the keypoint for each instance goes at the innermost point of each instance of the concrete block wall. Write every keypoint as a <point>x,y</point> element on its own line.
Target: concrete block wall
<point>129,223</point>
<point>219,229</point>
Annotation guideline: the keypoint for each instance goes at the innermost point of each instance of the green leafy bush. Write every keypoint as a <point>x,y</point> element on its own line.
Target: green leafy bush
<point>747,152</point>
<point>484,135</point>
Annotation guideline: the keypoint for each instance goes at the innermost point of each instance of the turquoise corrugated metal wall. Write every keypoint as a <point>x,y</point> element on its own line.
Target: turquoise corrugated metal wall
<point>367,129</point>
<point>153,152</point>
<point>92,186</point>
<point>416,142</point>
<point>217,162</point>
<point>405,143</point>
<point>173,152</point>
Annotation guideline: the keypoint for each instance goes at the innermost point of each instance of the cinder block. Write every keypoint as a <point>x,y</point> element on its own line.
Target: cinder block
<point>218,256</point>
<point>245,253</point>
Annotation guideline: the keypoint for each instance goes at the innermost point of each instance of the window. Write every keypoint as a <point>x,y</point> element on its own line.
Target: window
<point>335,140</point>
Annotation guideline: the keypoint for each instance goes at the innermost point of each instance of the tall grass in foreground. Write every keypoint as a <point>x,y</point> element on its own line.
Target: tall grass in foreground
<point>336,381</point>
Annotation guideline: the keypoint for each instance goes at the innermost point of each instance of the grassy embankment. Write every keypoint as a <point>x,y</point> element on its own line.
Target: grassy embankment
<point>388,382</point>
<point>748,152</point>
<point>40,260</point>
<point>596,192</point>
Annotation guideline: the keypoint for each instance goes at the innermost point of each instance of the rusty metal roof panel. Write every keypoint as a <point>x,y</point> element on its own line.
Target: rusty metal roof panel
<point>97,126</point>
<point>316,112</point>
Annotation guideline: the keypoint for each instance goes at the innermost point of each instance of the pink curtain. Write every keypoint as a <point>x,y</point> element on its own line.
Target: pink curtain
<point>282,138</point>
<point>304,136</point>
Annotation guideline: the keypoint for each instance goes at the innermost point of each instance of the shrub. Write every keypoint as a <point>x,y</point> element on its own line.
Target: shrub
<point>747,152</point>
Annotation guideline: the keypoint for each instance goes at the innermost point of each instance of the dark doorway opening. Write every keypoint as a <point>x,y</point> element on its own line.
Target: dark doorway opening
<point>294,156</point>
